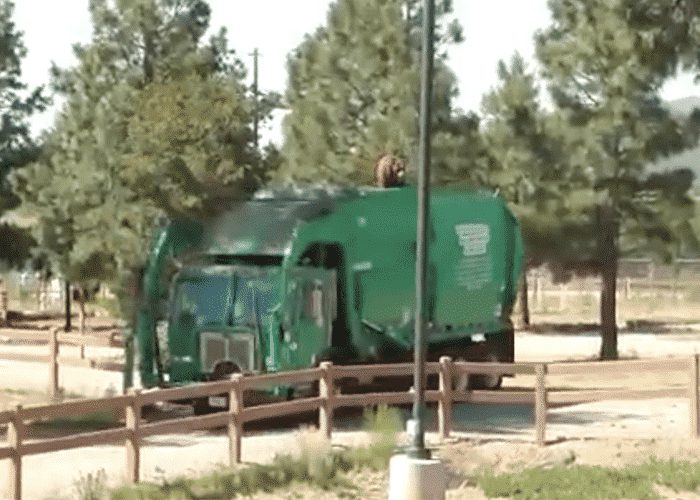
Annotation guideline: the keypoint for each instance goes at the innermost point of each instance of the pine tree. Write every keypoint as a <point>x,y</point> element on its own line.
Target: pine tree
<point>17,148</point>
<point>192,147</point>
<point>350,93</point>
<point>514,134</point>
<point>153,114</point>
<point>353,95</point>
<point>606,87</point>
<point>530,167</point>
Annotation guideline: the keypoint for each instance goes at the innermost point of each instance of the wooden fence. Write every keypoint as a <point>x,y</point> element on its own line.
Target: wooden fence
<point>53,358</point>
<point>135,429</point>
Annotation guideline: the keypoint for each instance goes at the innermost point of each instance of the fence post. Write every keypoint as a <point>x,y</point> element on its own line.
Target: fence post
<point>235,421</point>
<point>133,440</point>
<point>693,399</point>
<point>15,434</point>
<point>540,403</point>
<point>326,390</point>
<point>445,402</point>
<point>82,345</point>
<point>628,288</point>
<point>54,388</point>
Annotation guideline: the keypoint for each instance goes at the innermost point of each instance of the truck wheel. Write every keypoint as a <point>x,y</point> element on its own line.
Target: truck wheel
<point>222,371</point>
<point>464,382</point>
<point>486,382</point>
<point>200,406</point>
<point>461,381</point>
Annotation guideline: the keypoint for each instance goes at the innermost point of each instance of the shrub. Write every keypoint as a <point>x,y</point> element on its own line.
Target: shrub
<point>317,464</point>
<point>92,487</point>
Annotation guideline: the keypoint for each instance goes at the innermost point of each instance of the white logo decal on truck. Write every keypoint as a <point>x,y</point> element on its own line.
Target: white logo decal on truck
<point>473,238</point>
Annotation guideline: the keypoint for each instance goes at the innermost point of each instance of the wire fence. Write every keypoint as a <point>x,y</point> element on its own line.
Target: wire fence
<point>29,292</point>
<point>645,290</point>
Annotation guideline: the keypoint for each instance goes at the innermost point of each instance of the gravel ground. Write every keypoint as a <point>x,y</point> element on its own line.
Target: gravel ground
<point>596,432</point>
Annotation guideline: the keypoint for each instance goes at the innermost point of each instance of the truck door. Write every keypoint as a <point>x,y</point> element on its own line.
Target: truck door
<point>312,302</point>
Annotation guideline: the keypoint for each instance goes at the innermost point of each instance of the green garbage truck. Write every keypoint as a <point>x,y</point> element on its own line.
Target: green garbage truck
<point>290,278</point>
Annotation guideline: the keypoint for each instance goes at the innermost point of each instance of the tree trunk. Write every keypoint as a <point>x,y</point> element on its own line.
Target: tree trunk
<point>81,310</point>
<point>608,323</point>
<point>81,318</point>
<point>68,326</point>
<point>148,56</point>
<point>609,265</point>
<point>41,294</point>
<point>524,302</point>
<point>4,305</point>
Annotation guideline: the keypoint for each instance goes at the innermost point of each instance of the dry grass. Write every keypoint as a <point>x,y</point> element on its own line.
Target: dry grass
<point>317,465</point>
<point>573,482</point>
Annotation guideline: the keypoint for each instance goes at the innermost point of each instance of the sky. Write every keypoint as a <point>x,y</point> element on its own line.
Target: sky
<point>493,29</point>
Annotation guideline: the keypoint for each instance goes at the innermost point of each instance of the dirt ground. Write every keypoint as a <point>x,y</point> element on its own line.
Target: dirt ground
<point>607,433</point>
<point>465,457</point>
<point>464,454</point>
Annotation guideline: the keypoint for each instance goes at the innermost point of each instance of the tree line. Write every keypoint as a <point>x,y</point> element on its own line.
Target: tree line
<point>157,122</point>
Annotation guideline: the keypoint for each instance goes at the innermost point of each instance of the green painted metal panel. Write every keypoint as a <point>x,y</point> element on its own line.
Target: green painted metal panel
<point>339,270</point>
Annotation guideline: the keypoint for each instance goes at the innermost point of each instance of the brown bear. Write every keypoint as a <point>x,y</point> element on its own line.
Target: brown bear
<point>389,171</point>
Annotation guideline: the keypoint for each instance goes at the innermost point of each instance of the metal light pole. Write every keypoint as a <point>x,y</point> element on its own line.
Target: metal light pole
<point>415,475</point>
<point>417,448</point>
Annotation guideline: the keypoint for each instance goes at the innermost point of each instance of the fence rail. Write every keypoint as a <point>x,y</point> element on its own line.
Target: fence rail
<point>53,357</point>
<point>75,339</point>
<point>542,289</point>
<point>135,430</point>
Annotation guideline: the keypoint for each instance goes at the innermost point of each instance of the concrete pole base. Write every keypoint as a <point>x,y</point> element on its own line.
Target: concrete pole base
<point>416,479</point>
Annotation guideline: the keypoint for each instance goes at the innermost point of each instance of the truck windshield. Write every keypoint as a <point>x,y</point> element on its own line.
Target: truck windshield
<point>254,295</point>
<point>224,298</point>
<point>203,299</point>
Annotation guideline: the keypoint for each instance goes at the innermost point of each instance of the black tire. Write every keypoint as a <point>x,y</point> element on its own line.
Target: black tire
<point>486,382</point>
<point>221,371</point>
<point>460,382</point>
<point>291,393</point>
<point>201,406</point>
<point>477,382</point>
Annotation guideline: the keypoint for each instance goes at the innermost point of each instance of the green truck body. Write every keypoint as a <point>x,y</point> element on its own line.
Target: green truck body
<point>289,279</point>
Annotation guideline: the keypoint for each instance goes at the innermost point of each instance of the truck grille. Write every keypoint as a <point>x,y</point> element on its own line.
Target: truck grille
<point>238,348</point>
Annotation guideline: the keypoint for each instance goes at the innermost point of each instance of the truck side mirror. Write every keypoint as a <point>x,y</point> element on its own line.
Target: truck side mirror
<point>290,313</point>
<point>317,305</point>
<point>332,296</point>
